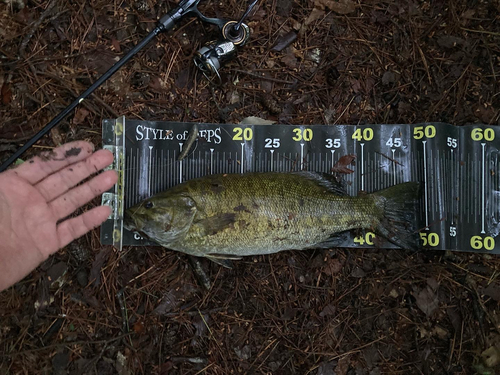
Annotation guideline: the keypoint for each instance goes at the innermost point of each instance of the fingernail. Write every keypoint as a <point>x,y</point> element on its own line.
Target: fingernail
<point>93,147</point>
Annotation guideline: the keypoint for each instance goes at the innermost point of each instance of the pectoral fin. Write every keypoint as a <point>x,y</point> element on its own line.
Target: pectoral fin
<point>214,224</point>
<point>223,259</point>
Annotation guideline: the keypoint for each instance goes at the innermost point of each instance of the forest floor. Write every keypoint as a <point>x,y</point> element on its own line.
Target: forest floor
<point>90,309</point>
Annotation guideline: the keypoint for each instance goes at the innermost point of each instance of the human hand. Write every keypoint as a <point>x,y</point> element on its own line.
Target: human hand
<point>37,197</point>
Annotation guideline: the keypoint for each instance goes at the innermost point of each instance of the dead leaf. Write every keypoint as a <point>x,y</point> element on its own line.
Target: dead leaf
<point>491,356</point>
<point>340,7</point>
<point>56,136</point>
<point>80,116</point>
<point>139,327</point>
<point>343,366</point>
<point>284,41</point>
<point>158,85</point>
<point>388,78</point>
<point>449,41</point>
<point>56,273</point>
<point>485,113</point>
<point>356,86</point>
<point>371,356</point>
<point>98,263</point>
<point>173,298</point>
<point>468,14</point>
<point>99,61</point>
<point>427,301</point>
<point>493,291</point>
<point>121,364</point>
<point>166,367</point>
<point>326,368</point>
<point>201,329</point>
<point>6,93</point>
<point>284,7</point>
<point>252,120</point>
<point>358,272</point>
<point>455,318</point>
<point>290,60</point>
<point>116,45</point>
<point>341,165</point>
<point>315,15</point>
<point>329,309</point>
<point>244,353</point>
<point>334,267</point>
<point>169,301</point>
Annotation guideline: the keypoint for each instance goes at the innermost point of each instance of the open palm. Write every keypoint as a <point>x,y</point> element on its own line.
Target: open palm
<point>36,199</point>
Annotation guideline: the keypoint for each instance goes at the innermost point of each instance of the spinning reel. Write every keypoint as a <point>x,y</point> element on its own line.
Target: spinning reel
<point>209,59</point>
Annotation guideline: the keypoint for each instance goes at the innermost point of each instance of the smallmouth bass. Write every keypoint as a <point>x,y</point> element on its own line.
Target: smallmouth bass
<point>232,215</point>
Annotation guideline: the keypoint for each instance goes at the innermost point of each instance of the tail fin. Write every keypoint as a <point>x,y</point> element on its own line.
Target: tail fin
<point>398,224</point>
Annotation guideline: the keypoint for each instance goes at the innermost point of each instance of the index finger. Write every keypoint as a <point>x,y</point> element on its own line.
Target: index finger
<point>48,162</point>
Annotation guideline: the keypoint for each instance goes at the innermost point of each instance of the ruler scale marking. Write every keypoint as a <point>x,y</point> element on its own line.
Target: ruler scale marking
<point>362,167</point>
<point>426,188</point>
<point>483,177</point>
<point>457,190</point>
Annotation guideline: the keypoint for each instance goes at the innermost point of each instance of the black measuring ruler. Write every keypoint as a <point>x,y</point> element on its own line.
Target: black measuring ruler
<point>457,166</point>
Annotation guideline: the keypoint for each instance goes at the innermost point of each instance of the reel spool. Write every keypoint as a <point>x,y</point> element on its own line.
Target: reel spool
<point>210,58</point>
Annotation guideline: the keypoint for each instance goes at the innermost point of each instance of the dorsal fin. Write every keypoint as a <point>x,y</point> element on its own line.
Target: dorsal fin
<point>325,180</point>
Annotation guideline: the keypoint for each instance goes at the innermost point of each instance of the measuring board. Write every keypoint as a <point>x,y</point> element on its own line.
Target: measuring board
<point>457,166</point>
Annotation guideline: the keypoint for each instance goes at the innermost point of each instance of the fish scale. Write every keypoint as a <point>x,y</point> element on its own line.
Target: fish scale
<point>263,213</point>
<point>274,215</point>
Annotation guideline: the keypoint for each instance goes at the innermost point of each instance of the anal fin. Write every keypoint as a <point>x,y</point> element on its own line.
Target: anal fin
<point>335,240</point>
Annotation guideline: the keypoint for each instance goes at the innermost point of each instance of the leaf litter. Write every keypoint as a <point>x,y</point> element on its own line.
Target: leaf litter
<point>351,311</point>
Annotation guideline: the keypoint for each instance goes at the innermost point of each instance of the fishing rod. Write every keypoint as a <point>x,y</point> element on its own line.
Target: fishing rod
<point>209,59</point>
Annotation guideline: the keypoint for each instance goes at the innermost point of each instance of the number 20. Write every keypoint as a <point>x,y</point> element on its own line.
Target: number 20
<point>241,134</point>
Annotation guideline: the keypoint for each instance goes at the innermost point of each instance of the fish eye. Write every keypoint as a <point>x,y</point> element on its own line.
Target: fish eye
<point>148,204</point>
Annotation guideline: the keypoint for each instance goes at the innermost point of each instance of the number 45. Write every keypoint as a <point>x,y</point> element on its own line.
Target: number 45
<point>394,142</point>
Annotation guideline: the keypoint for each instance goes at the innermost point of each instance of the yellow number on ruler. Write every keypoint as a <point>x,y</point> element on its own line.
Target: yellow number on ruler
<point>478,134</point>
<point>368,238</point>
<point>116,235</point>
<point>431,239</point>
<point>428,131</point>
<point>365,134</point>
<point>119,128</point>
<point>242,134</point>
<point>306,135</point>
<point>477,242</point>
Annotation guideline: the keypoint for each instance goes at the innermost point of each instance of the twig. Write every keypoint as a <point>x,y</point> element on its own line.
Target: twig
<point>391,159</point>
<point>123,310</point>
<point>264,77</point>
<point>66,344</point>
<point>481,31</point>
<point>345,109</point>
<point>35,26</point>
<point>193,313</point>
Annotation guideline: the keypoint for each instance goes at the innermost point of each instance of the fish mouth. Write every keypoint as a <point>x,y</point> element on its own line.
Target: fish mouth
<point>129,223</point>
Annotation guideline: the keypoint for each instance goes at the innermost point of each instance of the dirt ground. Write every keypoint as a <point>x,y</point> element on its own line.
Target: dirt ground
<point>90,309</point>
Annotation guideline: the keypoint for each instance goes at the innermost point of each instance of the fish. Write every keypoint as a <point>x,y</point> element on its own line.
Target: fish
<point>228,216</point>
